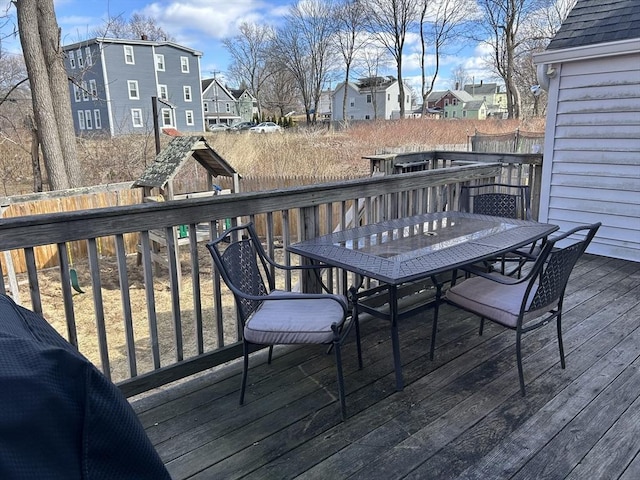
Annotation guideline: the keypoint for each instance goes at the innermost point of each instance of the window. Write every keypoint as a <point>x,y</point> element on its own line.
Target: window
<point>388,97</point>
<point>72,59</point>
<point>81,119</point>
<point>76,93</point>
<point>206,107</point>
<point>85,92</point>
<point>187,93</point>
<point>368,98</point>
<point>446,102</point>
<point>136,117</point>
<point>88,119</point>
<point>132,85</point>
<point>128,55</point>
<point>367,117</point>
<point>97,119</point>
<point>167,118</point>
<point>87,56</point>
<point>184,64</point>
<point>163,93</point>
<point>160,62</point>
<point>93,89</point>
<point>189,117</point>
<point>464,113</point>
<point>352,102</point>
<point>80,59</point>
<point>228,106</point>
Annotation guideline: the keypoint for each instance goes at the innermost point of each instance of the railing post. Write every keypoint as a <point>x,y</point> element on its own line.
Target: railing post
<point>536,188</point>
<point>308,227</point>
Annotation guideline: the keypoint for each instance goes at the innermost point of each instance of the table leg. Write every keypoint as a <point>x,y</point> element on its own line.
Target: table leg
<point>395,340</point>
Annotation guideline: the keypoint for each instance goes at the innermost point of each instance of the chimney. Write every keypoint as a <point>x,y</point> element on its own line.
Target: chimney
<point>480,82</point>
<point>144,37</point>
<point>457,86</point>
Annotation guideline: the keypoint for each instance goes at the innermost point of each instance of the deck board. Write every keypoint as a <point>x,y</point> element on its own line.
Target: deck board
<point>459,416</point>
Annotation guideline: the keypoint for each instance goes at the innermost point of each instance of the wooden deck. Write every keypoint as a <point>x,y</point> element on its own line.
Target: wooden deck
<point>459,416</point>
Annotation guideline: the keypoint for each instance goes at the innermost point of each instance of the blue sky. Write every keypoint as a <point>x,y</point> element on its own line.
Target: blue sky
<point>203,24</point>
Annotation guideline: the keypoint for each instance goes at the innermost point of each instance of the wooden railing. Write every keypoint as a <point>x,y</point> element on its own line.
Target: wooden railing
<point>144,329</point>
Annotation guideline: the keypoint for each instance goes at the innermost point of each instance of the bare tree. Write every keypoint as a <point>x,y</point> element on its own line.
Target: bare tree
<point>280,92</point>
<point>459,77</point>
<point>439,22</point>
<point>135,28</point>
<point>251,63</point>
<point>499,27</point>
<point>39,36</point>
<point>303,46</point>
<point>373,60</point>
<point>390,21</point>
<point>537,31</point>
<point>349,39</point>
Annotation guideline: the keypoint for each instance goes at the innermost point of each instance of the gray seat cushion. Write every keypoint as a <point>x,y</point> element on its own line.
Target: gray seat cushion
<point>493,300</point>
<point>289,321</point>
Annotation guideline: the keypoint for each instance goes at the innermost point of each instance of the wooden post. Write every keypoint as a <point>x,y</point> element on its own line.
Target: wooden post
<point>156,128</point>
<point>309,227</point>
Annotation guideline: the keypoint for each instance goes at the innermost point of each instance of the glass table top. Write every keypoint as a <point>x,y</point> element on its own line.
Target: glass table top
<point>404,249</point>
<point>424,237</point>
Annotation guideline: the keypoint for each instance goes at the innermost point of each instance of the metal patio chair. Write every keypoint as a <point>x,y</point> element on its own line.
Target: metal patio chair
<point>502,200</point>
<point>275,317</point>
<point>497,199</point>
<point>525,304</point>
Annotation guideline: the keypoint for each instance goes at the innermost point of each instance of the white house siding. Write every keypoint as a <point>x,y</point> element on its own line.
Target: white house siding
<point>591,168</point>
<point>386,103</point>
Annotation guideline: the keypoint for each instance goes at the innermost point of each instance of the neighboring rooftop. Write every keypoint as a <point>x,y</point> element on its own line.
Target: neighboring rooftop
<point>597,21</point>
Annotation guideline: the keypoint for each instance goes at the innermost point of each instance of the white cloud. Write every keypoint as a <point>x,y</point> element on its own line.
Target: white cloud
<point>217,19</point>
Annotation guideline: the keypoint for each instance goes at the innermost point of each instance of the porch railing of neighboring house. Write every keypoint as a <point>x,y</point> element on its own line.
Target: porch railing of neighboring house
<point>143,330</point>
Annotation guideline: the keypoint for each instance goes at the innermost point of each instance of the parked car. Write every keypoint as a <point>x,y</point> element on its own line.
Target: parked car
<point>266,127</point>
<point>218,127</point>
<point>242,126</point>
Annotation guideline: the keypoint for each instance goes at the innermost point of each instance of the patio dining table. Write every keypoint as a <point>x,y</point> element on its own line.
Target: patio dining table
<point>396,252</point>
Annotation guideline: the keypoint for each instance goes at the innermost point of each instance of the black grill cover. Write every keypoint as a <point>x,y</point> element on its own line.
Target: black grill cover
<point>60,418</point>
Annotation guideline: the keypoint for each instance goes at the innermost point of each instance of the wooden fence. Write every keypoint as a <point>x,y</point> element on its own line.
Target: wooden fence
<point>47,203</point>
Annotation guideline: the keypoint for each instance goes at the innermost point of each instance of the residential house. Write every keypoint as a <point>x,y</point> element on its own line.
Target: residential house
<point>493,95</point>
<point>456,104</point>
<point>246,104</point>
<point>113,82</point>
<point>369,99</point>
<point>219,103</point>
<point>591,168</point>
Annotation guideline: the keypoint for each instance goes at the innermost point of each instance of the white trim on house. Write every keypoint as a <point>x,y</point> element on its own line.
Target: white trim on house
<point>588,51</point>
<point>107,90</point>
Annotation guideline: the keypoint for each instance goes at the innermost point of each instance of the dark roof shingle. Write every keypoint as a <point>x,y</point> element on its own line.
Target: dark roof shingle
<point>597,21</point>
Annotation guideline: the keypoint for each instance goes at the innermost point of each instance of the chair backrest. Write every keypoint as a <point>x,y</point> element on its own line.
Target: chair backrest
<point>554,265</point>
<point>243,265</point>
<point>497,199</point>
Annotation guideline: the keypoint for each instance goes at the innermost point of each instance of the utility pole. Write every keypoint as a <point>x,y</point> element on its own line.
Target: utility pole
<point>215,93</point>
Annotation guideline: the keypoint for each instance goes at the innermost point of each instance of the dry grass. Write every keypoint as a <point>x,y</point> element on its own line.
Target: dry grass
<point>301,151</point>
<point>312,151</point>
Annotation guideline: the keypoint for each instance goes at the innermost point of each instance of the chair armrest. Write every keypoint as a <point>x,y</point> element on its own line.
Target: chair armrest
<point>493,276</point>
